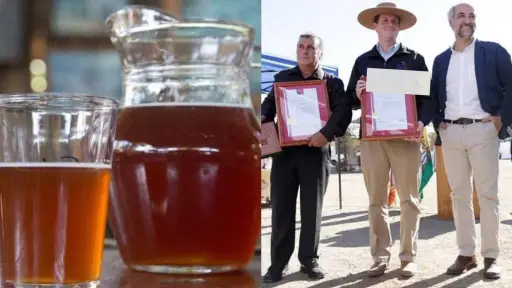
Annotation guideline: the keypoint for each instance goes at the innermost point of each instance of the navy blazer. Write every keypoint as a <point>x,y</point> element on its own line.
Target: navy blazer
<point>493,70</point>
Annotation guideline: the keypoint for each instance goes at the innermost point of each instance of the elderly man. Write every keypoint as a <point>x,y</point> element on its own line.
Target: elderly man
<point>303,166</point>
<point>471,84</point>
<point>379,156</point>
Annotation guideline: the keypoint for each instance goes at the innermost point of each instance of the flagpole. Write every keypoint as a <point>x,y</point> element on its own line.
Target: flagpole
<point>338,151</point>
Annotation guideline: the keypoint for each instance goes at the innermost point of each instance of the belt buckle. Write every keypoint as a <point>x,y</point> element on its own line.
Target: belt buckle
<point>466,121</point>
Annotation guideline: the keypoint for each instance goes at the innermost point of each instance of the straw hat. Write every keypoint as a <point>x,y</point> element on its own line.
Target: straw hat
<point>366,18</point>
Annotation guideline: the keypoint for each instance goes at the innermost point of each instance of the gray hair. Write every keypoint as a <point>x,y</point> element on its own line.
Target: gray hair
<point>451,12</point>
<point>313,36</point>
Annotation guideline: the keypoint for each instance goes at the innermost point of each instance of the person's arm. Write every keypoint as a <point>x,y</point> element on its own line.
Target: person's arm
<point>351,87</point>
<point>341,112</point>
<point>429,110</point>
<point>268,107</point>
<point>422,101</point>
<point>505,79</point>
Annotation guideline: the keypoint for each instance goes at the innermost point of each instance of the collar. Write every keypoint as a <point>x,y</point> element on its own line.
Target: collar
<point>393,48</point>
<point>318,73</point>
<point>470,46</point>
<point>400,50</point>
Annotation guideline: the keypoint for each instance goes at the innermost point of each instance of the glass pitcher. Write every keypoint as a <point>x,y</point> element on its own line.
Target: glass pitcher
<point>185,193</point>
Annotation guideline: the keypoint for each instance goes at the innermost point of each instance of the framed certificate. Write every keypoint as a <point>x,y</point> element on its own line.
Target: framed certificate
<point>302,110</point>
<point>269,140</point>
<point>388,116</point>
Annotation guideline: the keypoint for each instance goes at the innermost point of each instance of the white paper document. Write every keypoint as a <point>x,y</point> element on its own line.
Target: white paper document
<point>303,115</point>
<point>398,81</point>
<point>389,112</point>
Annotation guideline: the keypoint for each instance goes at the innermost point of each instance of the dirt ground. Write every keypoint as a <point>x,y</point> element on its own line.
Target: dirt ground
<point>345,255</point>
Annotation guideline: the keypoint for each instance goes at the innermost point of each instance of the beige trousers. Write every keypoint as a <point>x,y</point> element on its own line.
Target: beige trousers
<point>403,157</point>
<point>473,149</point>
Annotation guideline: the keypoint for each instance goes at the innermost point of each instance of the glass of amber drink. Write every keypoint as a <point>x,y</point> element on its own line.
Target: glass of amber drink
<point>185,195</point>
<point>55,164</point>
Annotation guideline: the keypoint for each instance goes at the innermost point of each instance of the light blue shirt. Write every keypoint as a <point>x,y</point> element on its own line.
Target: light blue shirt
<point>387,55</point>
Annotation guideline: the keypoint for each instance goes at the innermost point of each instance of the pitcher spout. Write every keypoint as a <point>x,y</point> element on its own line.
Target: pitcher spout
<point>148,37</point>
<point>135,18</point>
<point>171,59</point>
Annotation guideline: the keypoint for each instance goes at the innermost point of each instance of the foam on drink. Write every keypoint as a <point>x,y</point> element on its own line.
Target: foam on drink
<point>189,104</point>
<point>54,165</point>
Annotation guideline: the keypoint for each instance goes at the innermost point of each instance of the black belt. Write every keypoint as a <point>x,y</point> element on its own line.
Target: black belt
<point>463,121</point>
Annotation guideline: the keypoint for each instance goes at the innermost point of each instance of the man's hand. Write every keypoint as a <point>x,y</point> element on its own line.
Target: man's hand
<point>360,87</point>
<point>496,120</point>
<point>318,140</point>
<point>420,131</point>
<point>443,126</point>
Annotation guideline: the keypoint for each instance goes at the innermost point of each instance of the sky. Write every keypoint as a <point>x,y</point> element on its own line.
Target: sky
<point>335,21</point>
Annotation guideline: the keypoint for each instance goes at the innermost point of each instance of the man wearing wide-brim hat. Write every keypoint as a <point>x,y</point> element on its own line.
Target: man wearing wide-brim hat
<point>379,156</point>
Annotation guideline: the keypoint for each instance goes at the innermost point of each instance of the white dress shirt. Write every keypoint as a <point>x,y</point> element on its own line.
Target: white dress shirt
<point>462,99</point>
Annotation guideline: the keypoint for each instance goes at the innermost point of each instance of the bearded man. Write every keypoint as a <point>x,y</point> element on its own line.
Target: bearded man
<point>471,86</point>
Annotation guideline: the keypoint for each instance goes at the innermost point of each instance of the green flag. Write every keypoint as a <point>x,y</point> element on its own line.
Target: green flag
<point>427,170</point>
<point>427,164</point>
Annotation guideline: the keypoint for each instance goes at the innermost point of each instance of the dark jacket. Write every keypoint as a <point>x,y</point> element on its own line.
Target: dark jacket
<point>404,58</point>
<point>493,70</point>
<point>339,102</point>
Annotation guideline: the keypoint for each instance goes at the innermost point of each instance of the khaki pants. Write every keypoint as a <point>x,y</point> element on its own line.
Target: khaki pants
<point>473,149</point>
<point>403,157</point>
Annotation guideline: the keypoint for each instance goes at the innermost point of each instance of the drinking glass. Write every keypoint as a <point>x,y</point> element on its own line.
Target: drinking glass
<point>55,163</point>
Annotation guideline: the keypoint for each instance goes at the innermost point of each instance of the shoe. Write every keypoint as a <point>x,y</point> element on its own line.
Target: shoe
<point>409,269</point>
<point>462,264</point>
<point>274,274</point>
<point>312,269</point>
<point>378,269</point>
<point>491,269</point>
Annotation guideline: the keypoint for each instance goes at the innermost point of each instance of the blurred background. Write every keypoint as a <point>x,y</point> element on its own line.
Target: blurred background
<point>63,45</point>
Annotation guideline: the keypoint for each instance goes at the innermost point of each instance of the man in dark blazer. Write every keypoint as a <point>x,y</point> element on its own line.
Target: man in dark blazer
<point>303,166</point>
<point>471,84</point>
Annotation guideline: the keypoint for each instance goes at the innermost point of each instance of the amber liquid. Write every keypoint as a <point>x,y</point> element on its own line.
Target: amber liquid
<point>53,219</point>
<point>186,186</point>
